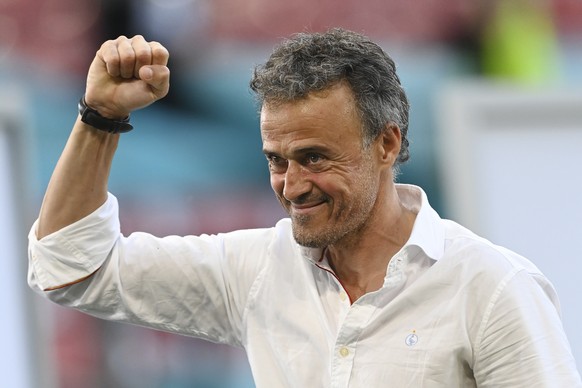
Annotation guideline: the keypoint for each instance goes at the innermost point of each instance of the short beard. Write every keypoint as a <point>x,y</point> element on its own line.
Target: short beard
<point>347,227</point>
<point>312,240</point>
<point>324,238</point>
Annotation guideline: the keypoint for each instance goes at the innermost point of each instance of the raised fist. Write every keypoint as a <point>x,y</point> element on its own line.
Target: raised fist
<point>127,74</point>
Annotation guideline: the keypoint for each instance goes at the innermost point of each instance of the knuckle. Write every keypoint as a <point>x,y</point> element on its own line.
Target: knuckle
<point>164,73</point>
<point>159,49</point>
<point>127,60</point>
<point>113,61</point>
<point>143,54</point>
<point>107,46</point>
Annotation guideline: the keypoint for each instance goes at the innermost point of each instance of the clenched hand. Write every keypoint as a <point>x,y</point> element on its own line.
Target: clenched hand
<point>127,74</point>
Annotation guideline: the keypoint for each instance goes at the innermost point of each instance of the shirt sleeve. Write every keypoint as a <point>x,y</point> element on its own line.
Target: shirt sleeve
<point>521,341</point>
<point>192,285</point>
<point>74,252</point>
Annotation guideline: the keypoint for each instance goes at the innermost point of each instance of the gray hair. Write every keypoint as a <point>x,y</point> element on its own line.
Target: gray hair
<point>309,62</point>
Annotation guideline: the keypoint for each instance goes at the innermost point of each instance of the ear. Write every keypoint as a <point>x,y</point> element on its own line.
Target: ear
<point>389,143</point>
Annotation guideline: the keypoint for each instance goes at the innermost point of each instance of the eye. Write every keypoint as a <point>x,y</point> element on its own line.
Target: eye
<point>313,158</point>
<point>276,163</point>
<point>315,162</point>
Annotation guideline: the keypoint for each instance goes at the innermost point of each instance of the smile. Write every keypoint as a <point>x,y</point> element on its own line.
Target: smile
<point>306,208</point>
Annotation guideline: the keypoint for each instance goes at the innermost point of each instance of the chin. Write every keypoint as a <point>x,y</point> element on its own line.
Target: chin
<point>311,239</point>
<point>303,237</point>
<point>309,243</point>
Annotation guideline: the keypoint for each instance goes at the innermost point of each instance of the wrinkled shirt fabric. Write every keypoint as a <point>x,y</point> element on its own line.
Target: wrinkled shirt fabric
<point>455,310</point>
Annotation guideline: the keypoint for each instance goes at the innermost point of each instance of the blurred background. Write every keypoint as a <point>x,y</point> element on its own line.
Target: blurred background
<point>194,163</point>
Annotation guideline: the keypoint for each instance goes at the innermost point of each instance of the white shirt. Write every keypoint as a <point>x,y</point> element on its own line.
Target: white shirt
<point>454,311</point>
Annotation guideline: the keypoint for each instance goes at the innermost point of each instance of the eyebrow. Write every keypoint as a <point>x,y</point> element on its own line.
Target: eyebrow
<point>300,151</point>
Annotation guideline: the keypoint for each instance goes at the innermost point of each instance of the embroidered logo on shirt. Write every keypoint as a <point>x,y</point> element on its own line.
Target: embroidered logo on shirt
<point>411,339</point>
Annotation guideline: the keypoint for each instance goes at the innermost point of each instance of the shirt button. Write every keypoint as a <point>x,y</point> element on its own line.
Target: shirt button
<point>344,352</point>
<point>343,296</point>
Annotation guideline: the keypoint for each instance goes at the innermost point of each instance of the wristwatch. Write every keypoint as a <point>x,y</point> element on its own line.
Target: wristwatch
<point>93,118</point>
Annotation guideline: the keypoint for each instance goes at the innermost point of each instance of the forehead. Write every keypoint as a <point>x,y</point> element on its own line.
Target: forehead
<point>327,114</point>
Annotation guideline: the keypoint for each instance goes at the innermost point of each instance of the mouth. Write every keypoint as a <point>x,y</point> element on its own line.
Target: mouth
<point>305,209</point>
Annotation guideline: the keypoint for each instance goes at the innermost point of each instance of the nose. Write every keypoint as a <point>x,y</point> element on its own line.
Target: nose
<point>296,182</point>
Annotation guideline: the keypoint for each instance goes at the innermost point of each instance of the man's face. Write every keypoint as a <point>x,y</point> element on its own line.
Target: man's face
<point>320,172</point>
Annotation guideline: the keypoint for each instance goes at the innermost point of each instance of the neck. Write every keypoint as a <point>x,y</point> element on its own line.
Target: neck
<point>361,259</point>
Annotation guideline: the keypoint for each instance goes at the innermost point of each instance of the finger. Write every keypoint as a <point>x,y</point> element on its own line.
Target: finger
<point>110,56</point>
<point>160,54</point>
<point>157,77</point>
<point>126,57</point>
<point>143,53</point>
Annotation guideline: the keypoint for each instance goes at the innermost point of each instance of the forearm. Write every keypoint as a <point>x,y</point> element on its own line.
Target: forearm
<point>78,185</point>
<point>125,75</point>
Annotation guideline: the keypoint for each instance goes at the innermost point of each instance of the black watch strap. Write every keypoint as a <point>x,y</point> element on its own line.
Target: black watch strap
<point>93,118</point>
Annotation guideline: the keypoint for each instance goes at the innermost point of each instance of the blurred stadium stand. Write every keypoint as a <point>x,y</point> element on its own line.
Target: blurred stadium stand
<point>194,163</point>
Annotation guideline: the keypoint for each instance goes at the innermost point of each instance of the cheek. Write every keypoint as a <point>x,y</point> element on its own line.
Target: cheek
<point>331,185</point>
<point>277,183</point>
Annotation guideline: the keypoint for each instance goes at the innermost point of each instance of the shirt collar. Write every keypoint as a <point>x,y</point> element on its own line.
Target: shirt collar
<point>427,233</point>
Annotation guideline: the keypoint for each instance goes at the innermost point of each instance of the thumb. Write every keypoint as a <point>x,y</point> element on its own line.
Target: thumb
<point>157,77</point>
<point>146,73</point>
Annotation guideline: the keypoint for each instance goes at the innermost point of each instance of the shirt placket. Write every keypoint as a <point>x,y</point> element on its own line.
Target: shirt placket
<point>342,360</point>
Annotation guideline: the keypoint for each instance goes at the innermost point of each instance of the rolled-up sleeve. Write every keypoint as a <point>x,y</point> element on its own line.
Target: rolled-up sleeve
<point>192,285</point>
<point>74,252</point>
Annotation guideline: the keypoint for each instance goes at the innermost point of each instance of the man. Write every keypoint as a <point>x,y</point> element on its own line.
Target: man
<point>363,286</point>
